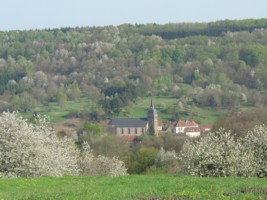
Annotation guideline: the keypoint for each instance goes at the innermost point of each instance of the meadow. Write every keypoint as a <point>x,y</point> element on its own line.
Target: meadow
<point>168,110</point>
<point>132,187</point>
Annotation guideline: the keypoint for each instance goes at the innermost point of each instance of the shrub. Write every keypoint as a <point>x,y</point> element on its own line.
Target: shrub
<point>210,155</point>
<point>167,161</point>
<point>219,154</point>
<point>30,150</point>
<point>141,160</point>
<point>92,165</point>
<point>165,158</point>
<point>255,144</point>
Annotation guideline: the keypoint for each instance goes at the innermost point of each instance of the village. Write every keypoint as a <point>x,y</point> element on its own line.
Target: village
<point>131,128</point>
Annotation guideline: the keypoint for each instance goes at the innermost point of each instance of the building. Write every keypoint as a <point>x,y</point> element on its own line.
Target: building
<point>129,126</point>
<point>190,128</point>
<point>136,126</point>
<point>152,119</point>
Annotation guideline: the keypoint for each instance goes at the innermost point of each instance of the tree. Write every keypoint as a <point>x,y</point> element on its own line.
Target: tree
<point>111,146</point>
<point>166,160</point>
<point>90,132</point>
<point>92,165</point>
<point>209,156</point>
<point>219,155</point>
<point>61,97</point>
<point>31,150</point>
<point>255,144</point>
<point>241,122</point>
<point>141,160</point>
<point>73,91</point>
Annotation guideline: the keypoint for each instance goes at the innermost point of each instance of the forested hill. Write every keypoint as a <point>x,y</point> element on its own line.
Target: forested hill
<point>215,29</point>
<point>219,64</point>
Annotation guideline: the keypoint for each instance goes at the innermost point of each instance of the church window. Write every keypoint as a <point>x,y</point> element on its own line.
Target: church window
<point>122,131</point>
<point>129,131</point>
<point>135,130</point>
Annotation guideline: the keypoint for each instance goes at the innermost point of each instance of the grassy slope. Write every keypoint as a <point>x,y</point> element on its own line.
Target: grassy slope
<point>204,116</point>
<point>166,107</point>
<point>59,114</point>
<point>133,187</point>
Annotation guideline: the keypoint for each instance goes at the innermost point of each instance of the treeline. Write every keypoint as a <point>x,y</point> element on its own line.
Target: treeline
<point>112,66</point>
<point>213,29</point>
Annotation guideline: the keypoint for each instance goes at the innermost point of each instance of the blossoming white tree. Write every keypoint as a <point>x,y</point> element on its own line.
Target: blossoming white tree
<point>219,154</point>
<point>32,150</point>
<point>92,165</point>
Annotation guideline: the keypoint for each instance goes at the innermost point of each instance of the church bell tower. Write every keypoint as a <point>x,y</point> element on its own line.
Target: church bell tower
<point>152,118</point>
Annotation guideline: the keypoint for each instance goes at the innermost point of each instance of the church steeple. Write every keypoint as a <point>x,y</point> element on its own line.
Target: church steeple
<point>152,118</point>
<point>151,104</point>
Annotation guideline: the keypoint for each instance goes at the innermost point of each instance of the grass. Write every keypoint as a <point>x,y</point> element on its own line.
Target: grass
<point>59,114</point>
<point>167,106</point>
<point>133,187</point>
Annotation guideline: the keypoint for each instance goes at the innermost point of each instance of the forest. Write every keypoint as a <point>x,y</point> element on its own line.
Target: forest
<point>218,64</point>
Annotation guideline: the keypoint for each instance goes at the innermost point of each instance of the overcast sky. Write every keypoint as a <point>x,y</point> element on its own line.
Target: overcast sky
<point>40,14</point>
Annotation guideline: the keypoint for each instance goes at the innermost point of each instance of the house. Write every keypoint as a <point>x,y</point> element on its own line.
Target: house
<point>160,125</point>
<point>192,131</point>
<point>136,126</point>
<point>190,128</point>
<point>181,125</point>
<point>205,128</point>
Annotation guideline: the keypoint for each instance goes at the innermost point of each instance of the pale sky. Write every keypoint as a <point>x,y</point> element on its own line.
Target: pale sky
<point>41,14</point>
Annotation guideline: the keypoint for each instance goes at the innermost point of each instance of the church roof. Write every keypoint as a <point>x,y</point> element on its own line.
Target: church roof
<point>152,111</point>
<point>128,122</point>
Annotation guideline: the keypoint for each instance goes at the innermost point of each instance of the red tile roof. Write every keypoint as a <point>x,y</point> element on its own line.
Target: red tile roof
<point>129,138</point>
<point>186,123</point>
<point>205,128</point>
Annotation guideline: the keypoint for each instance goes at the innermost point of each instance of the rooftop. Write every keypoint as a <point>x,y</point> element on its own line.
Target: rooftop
<point>186,123</point>
<point>128,122</point>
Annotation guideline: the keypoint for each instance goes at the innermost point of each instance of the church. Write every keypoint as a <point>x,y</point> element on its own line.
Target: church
<point>136,126</point>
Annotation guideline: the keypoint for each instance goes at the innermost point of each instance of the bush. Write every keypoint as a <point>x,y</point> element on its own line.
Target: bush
<point>220,155</point>
<point>255,144</point>
<point>165,158</point>
<point>91,165</point>
<point>167,161</point>
<point>141,160</point>
<point>30,150</point>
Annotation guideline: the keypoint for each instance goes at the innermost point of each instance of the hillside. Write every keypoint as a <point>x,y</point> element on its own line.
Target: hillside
<point>218,65</point>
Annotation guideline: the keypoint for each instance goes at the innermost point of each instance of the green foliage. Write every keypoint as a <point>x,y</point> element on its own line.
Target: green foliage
<point>110,146</point>
<point>141,160</point>
<point>241,122</point>
<point>113,66</point>
<point>89,132</point>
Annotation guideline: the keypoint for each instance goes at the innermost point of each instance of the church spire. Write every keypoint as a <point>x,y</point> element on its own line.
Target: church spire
<point>151,104</point>
<point>152,117</point>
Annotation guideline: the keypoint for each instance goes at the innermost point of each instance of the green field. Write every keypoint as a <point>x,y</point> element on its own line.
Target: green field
<point>133,187</point>
<point>59,114</point>
<point>167,106</point>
